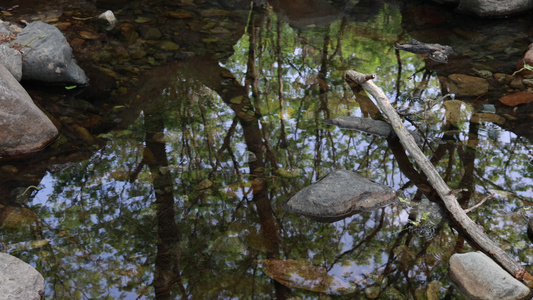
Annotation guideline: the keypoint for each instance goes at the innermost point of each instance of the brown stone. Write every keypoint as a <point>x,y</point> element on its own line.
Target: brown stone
<point>168,45</point>
<point>487,117</point>
<point>208,13</point>
<point>89,35</point>
<point>517,98</point>
<point>9,170</point>
<point>83,134</point>
<point>63,25</point>
<point>517,83</point>
<point>465,85</point>
<point>178,14</point>
<point>77,43</point>
<point>500,76</point>
<point>129,35</point>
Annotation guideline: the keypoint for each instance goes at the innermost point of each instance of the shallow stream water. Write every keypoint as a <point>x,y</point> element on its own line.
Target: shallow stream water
<point>204,117</point>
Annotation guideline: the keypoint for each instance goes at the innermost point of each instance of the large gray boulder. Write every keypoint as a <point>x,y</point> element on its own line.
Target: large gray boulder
<point>48,56</point>
<point>479,277</point>
<point>338,195</point>
<point>12,60</point>
<point>495,8</point>
<point>23,127</point>
<point>18,280</point>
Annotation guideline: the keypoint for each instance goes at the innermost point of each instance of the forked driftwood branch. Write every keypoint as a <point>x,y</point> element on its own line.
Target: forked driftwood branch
<point>474,231</point>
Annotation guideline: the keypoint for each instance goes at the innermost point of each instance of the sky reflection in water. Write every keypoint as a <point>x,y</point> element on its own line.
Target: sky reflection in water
<point>179,163</point>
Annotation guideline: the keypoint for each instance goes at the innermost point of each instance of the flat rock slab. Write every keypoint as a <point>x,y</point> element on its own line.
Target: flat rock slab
<point>338,195</point>
<point>465,85</point>
<point>24,127</point>
<point>48,56</point>
<point>479,277</point>
<point>18,280</point>
<point>371,126</point>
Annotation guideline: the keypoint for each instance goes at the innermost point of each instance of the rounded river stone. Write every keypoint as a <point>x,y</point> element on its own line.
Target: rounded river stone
<point>338,195</point>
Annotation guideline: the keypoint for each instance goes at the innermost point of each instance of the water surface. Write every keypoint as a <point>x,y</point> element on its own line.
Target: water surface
<point>202,118</point>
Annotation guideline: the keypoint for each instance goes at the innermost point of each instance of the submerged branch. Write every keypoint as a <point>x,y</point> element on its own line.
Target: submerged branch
<point>450,201</point>
<point>479,204</point>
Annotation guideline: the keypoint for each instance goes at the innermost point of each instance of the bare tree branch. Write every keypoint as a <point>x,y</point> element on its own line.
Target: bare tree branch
<point>450,201</point>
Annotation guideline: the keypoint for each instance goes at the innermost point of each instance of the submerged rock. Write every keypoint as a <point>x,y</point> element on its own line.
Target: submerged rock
<point>435,52</point>
<point>376,127</point>
<point>48,56</point>
<point>371,126</point>
<point>338,195</point>
<point>465,85</point>
<point>479,277</point>
<point>19,280</point>
<point>23,127</point>
<point>168,46</point>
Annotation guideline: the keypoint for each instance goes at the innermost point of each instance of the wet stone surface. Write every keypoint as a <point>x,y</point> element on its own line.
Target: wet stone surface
<point>338,195</point>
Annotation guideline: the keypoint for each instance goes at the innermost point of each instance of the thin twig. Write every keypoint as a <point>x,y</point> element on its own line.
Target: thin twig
<point>479,204</point>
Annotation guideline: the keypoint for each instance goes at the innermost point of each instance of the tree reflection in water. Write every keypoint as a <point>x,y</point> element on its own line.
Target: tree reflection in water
<point>167,207</point>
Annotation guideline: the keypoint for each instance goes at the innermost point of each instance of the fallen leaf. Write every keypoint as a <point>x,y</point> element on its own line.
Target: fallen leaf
<point>87,35</point>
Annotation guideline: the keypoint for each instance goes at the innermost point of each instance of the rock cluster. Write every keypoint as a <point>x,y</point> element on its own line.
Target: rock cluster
<point>48,58</point>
